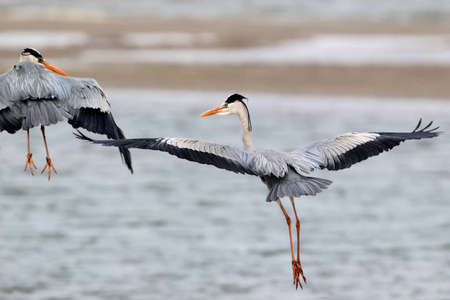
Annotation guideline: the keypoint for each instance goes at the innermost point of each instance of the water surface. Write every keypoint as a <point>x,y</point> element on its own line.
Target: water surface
<point>179,230</point>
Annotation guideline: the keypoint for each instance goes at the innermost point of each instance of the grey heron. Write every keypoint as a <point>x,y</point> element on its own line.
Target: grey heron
<point>284,173</point>
<point>34,92</point>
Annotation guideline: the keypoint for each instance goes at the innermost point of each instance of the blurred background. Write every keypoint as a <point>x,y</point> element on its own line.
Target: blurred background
<point>346,47</point>
<point>178,230</point>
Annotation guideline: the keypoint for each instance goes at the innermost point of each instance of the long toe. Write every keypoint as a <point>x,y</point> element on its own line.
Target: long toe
<point>30,163</point>
<point>298,271</point>
<point>301,273</point>
<point>50,166</point>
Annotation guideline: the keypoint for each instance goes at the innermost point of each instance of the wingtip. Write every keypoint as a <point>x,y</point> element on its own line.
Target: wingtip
<point>124,152</point>
<point>426,129</point>
<point>81,136</point>
<point>126,158</point>
<point>418,125</point>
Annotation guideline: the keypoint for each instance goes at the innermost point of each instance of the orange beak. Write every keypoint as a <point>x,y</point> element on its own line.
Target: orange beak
<point>213,111</point>
<point>52,68</point>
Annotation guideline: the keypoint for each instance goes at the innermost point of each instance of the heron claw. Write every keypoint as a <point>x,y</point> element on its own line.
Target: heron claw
<point>50,167</point>
<point>298,271</point>
<point>30,163</point>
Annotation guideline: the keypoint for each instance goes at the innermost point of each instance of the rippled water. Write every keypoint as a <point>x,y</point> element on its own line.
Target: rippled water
<point>179,230</point>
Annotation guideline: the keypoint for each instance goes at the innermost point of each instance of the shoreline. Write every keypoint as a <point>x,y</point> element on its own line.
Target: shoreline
<point>366,81</point>
<point>383,81</point>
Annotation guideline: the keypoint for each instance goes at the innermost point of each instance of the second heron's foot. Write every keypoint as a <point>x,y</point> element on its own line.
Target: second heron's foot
<point>298,274</point>
<point>30,163</point>
<point>50,166</point>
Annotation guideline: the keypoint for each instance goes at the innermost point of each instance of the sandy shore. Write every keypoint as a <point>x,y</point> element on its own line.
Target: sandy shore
<point>385,81</point>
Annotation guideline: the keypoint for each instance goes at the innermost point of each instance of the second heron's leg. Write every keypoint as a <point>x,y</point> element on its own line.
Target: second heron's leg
<point>49,161</point>
<point>29,161</point>
<point>297,225</point>
<point>295,265</point>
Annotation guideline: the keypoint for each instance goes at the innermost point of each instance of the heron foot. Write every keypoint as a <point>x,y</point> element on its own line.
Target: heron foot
<point>298,271</point>
<point>30,163</point>
<point>50,167</point>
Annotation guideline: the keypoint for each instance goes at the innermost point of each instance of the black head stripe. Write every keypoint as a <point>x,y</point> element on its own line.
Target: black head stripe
<point>33,52</point>
<point>235,97</point>
<point>249,119</point>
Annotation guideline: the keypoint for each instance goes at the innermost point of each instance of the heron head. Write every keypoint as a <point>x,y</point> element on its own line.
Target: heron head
<point>32,55</point>
<point>229,107</point>
<point>234,105</point>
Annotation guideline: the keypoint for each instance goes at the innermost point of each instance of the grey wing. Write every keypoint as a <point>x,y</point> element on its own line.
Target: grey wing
<point>46,98</point>
<point>26,81</point>
<point>343,151</point>
<point>221,156</point>
<point>10,112</point>
<point>5,99</point>
<point>87,104</point>
<point>28,99</point>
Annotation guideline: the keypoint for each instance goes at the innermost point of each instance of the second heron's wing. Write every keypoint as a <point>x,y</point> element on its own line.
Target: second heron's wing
<point>86,102</point>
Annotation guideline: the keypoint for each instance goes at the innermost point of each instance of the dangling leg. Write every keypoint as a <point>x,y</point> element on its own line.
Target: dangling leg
<point>297,225</point>
<point>295,266</point>
<point>30,161</point>
<point>49,161</point>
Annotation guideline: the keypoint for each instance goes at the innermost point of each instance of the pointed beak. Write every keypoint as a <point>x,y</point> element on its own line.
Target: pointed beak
<point>213,111</point>
<point>52,68</point>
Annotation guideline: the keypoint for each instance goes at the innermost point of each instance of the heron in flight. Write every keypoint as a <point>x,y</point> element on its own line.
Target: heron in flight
<point>34,92</point>
<point>284,173</point>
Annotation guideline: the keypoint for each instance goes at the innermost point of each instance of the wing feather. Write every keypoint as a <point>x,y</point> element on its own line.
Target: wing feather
<point>80,93</point>
<point>221,156</point>
<point>31,96</point>
<point>10,119</point>
<point>345,150</point>
<point>334,154</point>
<point>5,98</point>
<point>89,108</point>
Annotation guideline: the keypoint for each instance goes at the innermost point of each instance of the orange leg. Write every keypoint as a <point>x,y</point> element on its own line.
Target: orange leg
<point>297,225</point>
<point>49,161</point>
<point>296,267</point>
<point>30,161</point>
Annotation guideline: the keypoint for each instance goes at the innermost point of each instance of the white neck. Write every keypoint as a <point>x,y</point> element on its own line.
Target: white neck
<point>28,58</point>
<point>245,130</point>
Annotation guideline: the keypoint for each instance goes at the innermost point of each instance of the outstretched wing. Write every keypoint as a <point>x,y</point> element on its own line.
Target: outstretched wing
<point>221,156</point>
<point>86,102</point>
<point>343,151</point>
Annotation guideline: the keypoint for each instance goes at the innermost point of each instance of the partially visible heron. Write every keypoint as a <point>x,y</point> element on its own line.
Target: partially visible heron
<point>284,173</point>
<point>34,92</point>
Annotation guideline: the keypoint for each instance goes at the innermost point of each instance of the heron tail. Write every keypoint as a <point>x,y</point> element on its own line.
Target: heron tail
<point>302,186</point>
